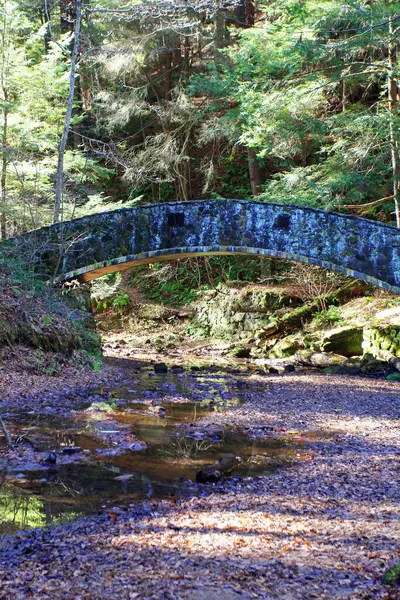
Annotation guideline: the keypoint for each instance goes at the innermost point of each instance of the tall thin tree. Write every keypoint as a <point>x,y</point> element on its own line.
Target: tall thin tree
<point>4,68</point>
<point>58,205</point>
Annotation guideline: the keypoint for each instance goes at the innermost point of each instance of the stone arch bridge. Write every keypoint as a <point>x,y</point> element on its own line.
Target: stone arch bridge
<point>103,243</point>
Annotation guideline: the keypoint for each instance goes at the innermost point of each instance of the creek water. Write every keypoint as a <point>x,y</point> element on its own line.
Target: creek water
<point>132,442</point>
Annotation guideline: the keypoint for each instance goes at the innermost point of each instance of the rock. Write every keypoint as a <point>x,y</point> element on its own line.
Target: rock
<point>160,367</point>
<point>346,341</point>
<point>71,450</point>
<point>199,432</point>
<point>285,347</point>
<point>241,352</point>
<point>343,370</point>
<point>51,459</point>
<point>159,410</point>
<point>378,341</point>
<point>373,366</point>
<point>319,359</point>
<point>215,472</point>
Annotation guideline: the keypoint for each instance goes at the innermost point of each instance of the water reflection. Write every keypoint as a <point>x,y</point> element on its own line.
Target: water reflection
<point>38,495</point>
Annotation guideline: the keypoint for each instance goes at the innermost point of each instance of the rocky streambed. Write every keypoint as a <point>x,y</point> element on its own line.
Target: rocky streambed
<point>311,512</point>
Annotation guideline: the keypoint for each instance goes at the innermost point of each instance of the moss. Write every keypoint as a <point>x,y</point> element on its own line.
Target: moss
<point>285,348</point>
<point>342,370</point>
<point>392,576</point>
<point>344,340</point>
<point>393,377</point>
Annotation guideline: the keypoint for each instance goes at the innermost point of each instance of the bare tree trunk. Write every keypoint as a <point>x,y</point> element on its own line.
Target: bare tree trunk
<point>255,172</point>
<point>3,180</point>
<point>4,131</point>
<point>345,96</point>
<point>221,37</point>
<point>244,14</point>
<point>186,60</point>
<point>168,75</point>
<point>61,150</point>
<point>393,113</point>
<point>250,13</point>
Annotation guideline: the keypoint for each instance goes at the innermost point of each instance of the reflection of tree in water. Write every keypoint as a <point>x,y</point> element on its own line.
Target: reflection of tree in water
<point>23,510</point>
<point>20,511</point>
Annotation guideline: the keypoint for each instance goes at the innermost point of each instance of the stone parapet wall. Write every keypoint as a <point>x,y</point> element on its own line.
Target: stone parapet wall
<point>95,245</point>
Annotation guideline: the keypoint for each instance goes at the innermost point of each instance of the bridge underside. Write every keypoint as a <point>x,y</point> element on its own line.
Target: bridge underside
<point>91,272</point>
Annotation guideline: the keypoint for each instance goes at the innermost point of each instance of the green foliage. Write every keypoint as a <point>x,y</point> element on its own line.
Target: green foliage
<point>181,282</point>
<point>394,377</point>
<point>121,302</point>
<point>331,316</point>
<point>106,407</point>
<point>392,576</point>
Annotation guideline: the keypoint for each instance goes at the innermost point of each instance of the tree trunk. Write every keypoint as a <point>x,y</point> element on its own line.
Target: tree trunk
<point>186,60</point>
<point>245,13</point>
<point>250,13</point>
<point>393,113</point>
<point>255,172</point>
<point>221,37</point>
<point>68,14</point>
<point>58,208</point>
<point>215,472</point>
<point>3,179</point>
<point>4,131</point>
<point>168,75</point>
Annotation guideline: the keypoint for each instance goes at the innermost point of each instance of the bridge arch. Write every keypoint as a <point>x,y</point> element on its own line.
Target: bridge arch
<point>103,243</point>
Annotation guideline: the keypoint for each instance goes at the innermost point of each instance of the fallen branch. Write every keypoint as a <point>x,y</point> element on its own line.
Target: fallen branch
<point>6,435</point>
<point>367,204</point>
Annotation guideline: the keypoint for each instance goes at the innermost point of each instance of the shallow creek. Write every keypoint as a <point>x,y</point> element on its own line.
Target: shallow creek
<point>143,439</point>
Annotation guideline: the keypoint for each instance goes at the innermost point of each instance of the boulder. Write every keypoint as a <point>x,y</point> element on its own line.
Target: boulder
<point>346,341</point>
<point>222,467</point>
<point>286,347</point>
<point>240,352</point>
<point>319,359</point>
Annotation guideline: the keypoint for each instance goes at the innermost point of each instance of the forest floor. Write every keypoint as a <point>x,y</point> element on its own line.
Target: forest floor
<point>325,528</point>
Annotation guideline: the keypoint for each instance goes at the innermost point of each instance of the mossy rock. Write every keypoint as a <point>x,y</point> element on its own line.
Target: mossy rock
<point>346,341</point>
<point>342,370</point>
<point>154,312</point>
<point>240,352</point>
<point>374,366</point>
<point>376,339</point>
<point>285,348</point>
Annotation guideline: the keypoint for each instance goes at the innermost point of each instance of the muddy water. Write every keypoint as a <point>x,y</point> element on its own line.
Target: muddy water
<point>137,441</point>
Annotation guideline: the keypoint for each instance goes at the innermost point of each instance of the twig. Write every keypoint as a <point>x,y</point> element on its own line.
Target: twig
<point>6,435</point>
